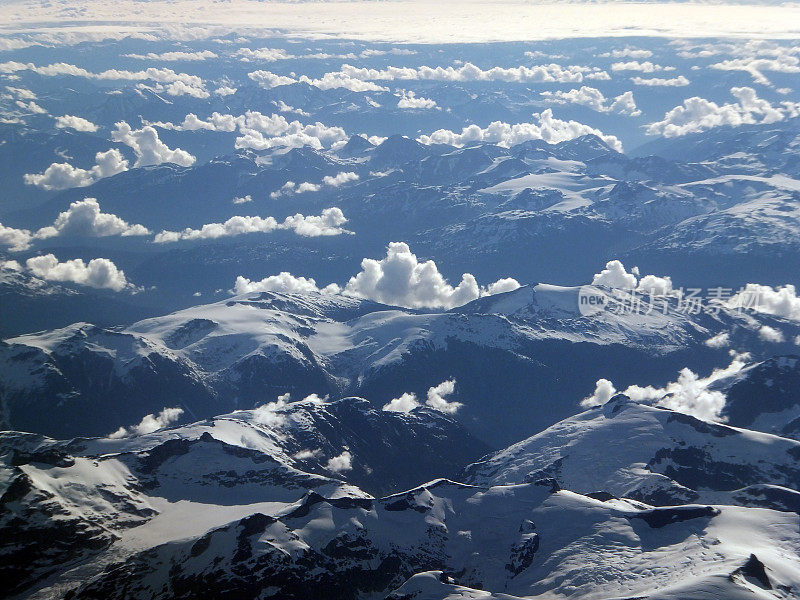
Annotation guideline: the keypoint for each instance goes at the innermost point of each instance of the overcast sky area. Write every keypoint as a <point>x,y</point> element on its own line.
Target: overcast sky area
<point>416,21</point>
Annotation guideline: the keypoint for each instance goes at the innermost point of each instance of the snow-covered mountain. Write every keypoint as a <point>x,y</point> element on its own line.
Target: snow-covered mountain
<point>448,540</point>
<point>252,348</point>
<point>564,208</point>
<point>626,449</point>
<point>236,360</point>
<point>764,396</point>
<point>64,502</point>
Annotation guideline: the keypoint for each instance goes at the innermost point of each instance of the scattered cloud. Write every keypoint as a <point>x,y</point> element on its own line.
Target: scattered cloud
<point>545,127</point>
<point>15,240</point>
<point>175,83</point>
<point>436,399</point>
<point>627,53</point>
<point>405,403</point>
<point>76,123</point>
<point>617,277</point>
<point>269,80</point>
<point>331,81</point>
<point>262,54</point>
<point>635,65</point>
<point>408,100</point>
<point>225,90</point>
<point>721,340</point>
<point>272,414</point>
<point>328,223</point>
<point>341,463</point>
<point>400,279</point>
<point>97,273</point>
<point>150,423</point>
<point>84,218</point>
<point>770,334</point>
<point>698,114</point>
<point>261,132</point>
<point>678,81</point>
<point>690,394</point>
<point>595,99</point>
<point>148,148</point>
<point>469,72</point>
<point>285,283</point>
<point>290,187</point>
<point>30,107</point>
<point>175,56</point>
<point>60,176</point>
<point>20,93</point>
<point>784,63</point>
<point>604,390</point>
<point>328,81</point>
<point>779,301</point>
<point>285,108</point>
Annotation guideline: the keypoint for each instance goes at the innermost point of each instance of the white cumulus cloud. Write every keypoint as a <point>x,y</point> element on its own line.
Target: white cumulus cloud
<point>84,218</point>
<point>272,414</point>
<point>15,240</point>
<point>148,148</point>
<point>779,301</point>
<point>405,403</point>
<point>285,283</point>
<point>616,276</point>
<point>60,176</point>
<point>175,56</point>
<point>341,463</point>
<point>76,123</point>
<point>784,63</point>
<point>469,72</point>
<point>436,399</point>
<point>635,65</point>
<point>150,423</point>
<point>690,394</point>
<point>97,273</point>
<point>770,334</point>
<point>596,100</point>
<point>329,222</point>
<point>545,127</point>
<point>698,114</point>
<point>408,100</point>
<point>400,279</point>
<point>290,187</point>
<point>678,81</point>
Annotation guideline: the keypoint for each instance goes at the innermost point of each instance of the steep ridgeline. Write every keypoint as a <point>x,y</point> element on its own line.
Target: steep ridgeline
<point>765,396</point>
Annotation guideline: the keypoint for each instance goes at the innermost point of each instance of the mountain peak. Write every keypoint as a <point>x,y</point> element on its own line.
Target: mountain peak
<point>356,146</point>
